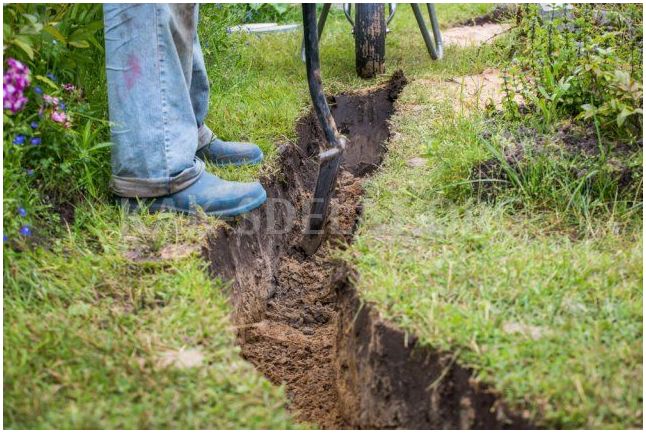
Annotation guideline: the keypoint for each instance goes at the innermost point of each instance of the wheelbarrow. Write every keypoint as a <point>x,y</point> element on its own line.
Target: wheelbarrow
<point>370,31</point>
<point>370,28</point>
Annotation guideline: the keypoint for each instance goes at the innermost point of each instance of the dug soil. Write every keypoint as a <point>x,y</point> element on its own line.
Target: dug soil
<point>299,319</point>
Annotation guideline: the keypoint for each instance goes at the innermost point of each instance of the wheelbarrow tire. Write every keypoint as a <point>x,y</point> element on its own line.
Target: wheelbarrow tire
<point>370,39</point>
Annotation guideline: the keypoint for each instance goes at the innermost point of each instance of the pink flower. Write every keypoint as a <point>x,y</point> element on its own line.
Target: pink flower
<point>14,82</point>
<point>69,87</point>
<point>59,117</point>
<point>51,100</point>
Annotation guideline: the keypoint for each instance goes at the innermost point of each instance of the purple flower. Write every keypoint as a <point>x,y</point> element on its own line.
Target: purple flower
<point>29,171</point>
<point>34,125</point>
<point>5,238</point>
<point>62,105</point>
<point>25,230</point>
<point>19,140</point>
<point>14,82</point>
<point>22,212</point>
<point>36,141</point>
<point>51,76</point>
<point>38,90</point>
<point>69,87</point>
<point>17,65</point>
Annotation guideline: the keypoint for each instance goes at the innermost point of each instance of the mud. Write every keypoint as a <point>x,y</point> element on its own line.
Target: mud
<point>299,320</point>
<point>363,118</point>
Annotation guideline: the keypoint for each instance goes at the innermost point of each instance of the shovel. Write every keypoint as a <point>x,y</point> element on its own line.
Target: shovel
<point>330,159</point>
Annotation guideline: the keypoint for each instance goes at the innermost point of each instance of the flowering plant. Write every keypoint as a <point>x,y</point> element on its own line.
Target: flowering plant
<point>14,83</point>
<point>52,135</point>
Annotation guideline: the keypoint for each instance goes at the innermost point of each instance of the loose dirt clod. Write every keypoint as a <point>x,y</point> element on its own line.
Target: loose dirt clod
<point>299,319</point>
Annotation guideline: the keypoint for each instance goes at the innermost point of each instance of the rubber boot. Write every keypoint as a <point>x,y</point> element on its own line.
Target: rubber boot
<point>221,152</point>
<point>216,197</point>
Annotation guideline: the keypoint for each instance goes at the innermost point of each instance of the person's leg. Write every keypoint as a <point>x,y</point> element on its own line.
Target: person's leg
<point>199,85</point>
<point>209,147</point>
<point>149,62</point>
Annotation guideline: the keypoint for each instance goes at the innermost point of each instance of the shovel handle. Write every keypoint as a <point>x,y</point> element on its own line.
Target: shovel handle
<point>313,66</point>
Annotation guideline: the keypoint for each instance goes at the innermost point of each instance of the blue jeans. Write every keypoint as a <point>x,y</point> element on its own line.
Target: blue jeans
<point>158,93</point>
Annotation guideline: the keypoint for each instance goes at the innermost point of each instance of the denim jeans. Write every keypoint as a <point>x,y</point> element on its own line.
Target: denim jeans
<point>158,93</point>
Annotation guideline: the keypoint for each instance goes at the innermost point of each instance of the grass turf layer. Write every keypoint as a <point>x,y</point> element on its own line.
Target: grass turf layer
<point>102,333</point>
<point>552,320</point>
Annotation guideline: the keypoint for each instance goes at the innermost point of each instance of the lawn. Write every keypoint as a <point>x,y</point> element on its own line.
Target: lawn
<point>112,320</point>
<point>551,316</point>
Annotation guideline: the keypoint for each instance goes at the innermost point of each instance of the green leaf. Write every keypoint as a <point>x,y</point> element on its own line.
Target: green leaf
<point>47,81</point>
<point>100,146</point>
<point>31,29</point>
<point>55,33</point>
<point>281,8</point>
<point>93,27</point>
<point>86,32</point>
<point>80,44</point>
<point>621,117</point>
<point>31,18</point>
<point>25,45</point>
<point>543,92</point>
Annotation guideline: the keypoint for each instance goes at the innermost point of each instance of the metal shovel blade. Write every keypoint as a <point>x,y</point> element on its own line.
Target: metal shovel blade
<point>330,160</point>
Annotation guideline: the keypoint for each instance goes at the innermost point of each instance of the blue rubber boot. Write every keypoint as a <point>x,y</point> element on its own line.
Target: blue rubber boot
<point>217,197</point>
<point>221,152</point>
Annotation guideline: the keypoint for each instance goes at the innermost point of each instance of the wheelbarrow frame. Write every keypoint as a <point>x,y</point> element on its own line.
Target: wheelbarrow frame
<point>433,43</point>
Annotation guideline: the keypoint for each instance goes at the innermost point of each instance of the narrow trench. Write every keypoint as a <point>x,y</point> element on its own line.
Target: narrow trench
<point>299,319</point>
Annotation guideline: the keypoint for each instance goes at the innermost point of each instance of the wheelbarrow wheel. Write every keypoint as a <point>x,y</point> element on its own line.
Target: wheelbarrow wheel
<point>370,39</point>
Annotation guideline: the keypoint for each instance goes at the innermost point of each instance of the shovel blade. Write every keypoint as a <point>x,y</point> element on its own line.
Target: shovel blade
<point>330,161</point>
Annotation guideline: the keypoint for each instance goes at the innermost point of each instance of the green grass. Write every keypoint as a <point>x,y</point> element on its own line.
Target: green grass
<point>87,320</point>
<point>91,309</point>
<point>550,316</point>
<point>260,89</point>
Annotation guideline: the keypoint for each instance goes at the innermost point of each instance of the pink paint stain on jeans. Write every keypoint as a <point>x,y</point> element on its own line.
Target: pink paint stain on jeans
<point>133,72</point>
